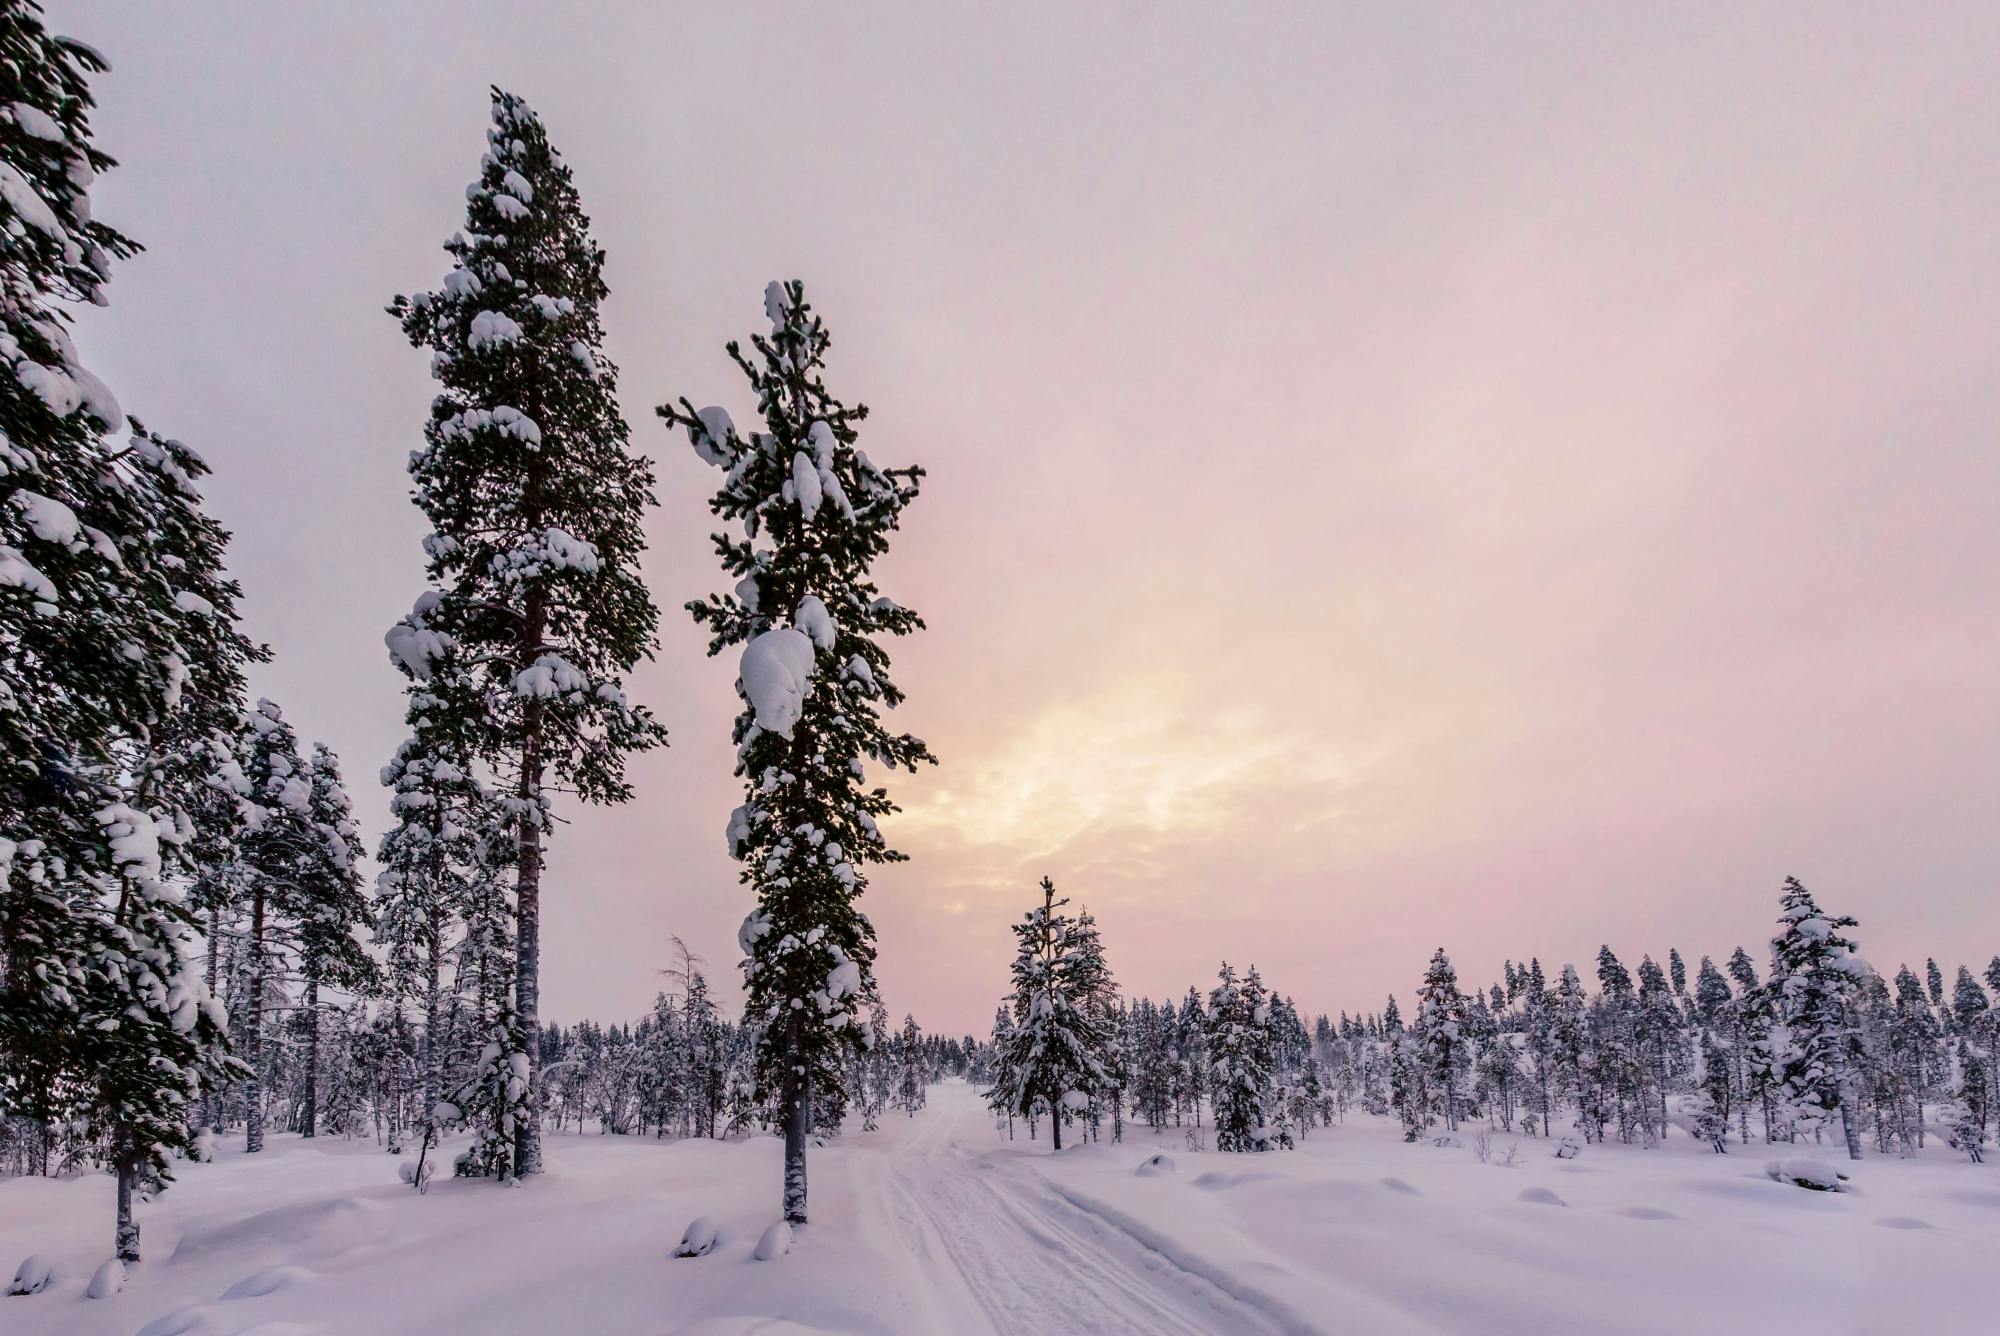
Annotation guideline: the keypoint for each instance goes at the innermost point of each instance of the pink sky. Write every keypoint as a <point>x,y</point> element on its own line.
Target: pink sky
<point>1512,478</point>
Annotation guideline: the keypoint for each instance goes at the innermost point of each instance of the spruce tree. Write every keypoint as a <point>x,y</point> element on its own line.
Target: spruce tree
<point>815,514</point>
<point>1914,1042</point>
<point>1967,1115</point>
<point>153,1037</point>
<point>1815,970</point>
<point>910,1077</point>
<point>1241,1085</point>
<point>429,860</point>
<point>1054,1054</point>
<point>1573,1053</point>
<point>86,661</point>
<point>328,907</point>
<point>1191,1058</point>
<point>1712,1112</point>
<point>535,500</point>
<point>1440,1030</point>
<point>279,845</point>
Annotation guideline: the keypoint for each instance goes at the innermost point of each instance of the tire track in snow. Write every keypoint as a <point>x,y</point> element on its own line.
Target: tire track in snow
<point>1030,1263</point>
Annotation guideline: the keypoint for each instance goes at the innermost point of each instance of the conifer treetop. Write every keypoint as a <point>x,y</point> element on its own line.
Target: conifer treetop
<point>814,513</point>
<point>527,478</point>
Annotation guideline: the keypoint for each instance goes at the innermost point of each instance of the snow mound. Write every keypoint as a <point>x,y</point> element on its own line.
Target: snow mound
<point>1540,1197</point>
<point>333,1222</point>
<point>110,1279</point>
<point>1646,1213</point>
<point>1904,1222</point>
<point>777,1241</point>
<point>1813,1175</point>
<point>1395,1184</point>
<point>267,1281</point>
<point>35,1274</point>
<point>1154,1165</point>
<point>699,1239</point>
<point>1216,1181</point>
<point>776,673</point>
<point>177,1323</point>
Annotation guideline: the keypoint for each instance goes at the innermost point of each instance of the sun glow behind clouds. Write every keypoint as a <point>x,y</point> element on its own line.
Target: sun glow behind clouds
<point>1143,756</point>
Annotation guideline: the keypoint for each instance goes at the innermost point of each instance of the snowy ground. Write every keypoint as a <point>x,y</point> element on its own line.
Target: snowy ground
<point>939,1225</point>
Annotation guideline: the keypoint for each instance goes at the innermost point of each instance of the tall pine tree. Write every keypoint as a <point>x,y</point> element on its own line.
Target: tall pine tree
<point>535,500</point>
<point>815,513</point>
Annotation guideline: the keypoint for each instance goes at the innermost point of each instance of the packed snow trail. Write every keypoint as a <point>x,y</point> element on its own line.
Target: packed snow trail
<point>939,1226</point>
<point>1007,1254</point>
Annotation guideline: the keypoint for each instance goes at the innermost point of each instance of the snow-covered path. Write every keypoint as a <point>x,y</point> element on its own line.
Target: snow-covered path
<point>938,1226</point>
<point>1005,1253</point>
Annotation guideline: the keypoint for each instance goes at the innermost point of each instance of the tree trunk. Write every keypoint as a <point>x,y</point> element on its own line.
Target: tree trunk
<point>128,1173</point>
<point>309,1078</point>
<point>253,1045</point>
<point>1848,1125</point>
<point>433,1052</point>
<point>1055,1130</point>
<point>211,1099</point>
<point>527,936</point>
<point>798,1107</point>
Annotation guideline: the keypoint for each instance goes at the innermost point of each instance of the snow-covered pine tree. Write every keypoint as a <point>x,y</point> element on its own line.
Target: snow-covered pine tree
<point>911,1079</point>
<point>535,501</point>
<point>1966,1116</point>
<point>1053,1056</point>
<point>1440,1027</point>
<point>1614,1021</point>
<point>1969,1003</point>
<point>328,908</point>
<point>1573,1054</point>
<point>489,1094</point>
<point>1100,996</point>
<point>156,1039</point>
<point>278,845</point>
<point>1190,1058</point>
<point>703,1028</point>
<point>1242,1090</point>
<point>428,858</point>
<point>1409,1083</point>
<point>1756,1071</point>
<point>1815,969</point>
<point>815,512</point>
<point>871,1084</point>
<point>1656,1021</point>
<point>83,669</point>
<point>1711,1120</point>
<point>1914,1047</point>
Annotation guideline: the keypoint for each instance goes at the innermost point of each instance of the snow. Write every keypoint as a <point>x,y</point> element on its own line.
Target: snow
<point>711,442</point>
<point>939,1223</point>
<point>812,617</point>
<point>25,200</point>
<point>1816,1175</point>
<point>700,1238</point>
<point>16,572</point>
<point>490,328</point>
<point>775,1243</point>
<point>35,1274</point>
<point>34,121</point>
<point>776,673</point>
<point>108,1280</point>
<point>48,519</point>
<point>805,485</point>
